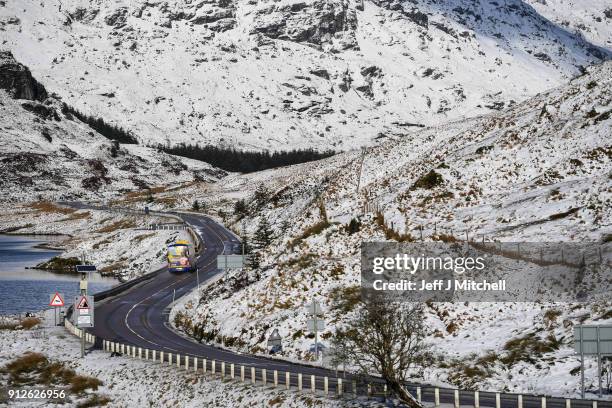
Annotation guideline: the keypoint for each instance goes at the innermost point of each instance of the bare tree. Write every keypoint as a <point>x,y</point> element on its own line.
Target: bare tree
<point>386,338</point>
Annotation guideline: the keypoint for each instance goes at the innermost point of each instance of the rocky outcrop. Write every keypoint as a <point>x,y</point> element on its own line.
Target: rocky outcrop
<point>319,22</point>
<point>17,79</point>
<point>117,18</point>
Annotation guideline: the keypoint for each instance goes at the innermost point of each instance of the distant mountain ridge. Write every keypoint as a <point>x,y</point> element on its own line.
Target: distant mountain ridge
<point>326,74</point>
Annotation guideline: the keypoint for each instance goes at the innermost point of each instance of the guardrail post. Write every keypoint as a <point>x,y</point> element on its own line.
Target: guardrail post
<point>313,384</point>
<point>437,397</point>
<point>178,360</point>
<point>419,394</point>
<point>212,368</point>
<point>325,385</point>
<point>204,366</point>
<point>520,401</point>
<point>385,391</point>
<point>264,378</point>
<point>242,373</point>
<point>457,399</point>
<point>253,379</point>
<point>594,404</point>
<point>568,403</point>
<point>497,400</point>
<point>299,381</point>
<point>232,371</point>
<point>161,356</point>
<point>339,386</point>
<point>140,353</point>
<point>275,378</point>
<point>543,402</point>
<point>222,369</point>
<point>195,364</point>
<point>369,390</point>
<point>288,380</point>
<point>186,363</point>
<point>169,358</point>
<point>476,399</point>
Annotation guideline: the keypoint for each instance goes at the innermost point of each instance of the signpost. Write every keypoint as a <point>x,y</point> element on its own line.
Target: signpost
<point>274,339</point>
<point>226,262</point>
<point>84,305</point>
<point>56,300</point>
<point>315,323</point>
<point>592,340</point>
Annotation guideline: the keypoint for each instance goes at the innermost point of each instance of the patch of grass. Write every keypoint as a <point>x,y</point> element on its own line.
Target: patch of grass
<point>390,233</point>
<point>125,224</point>
<point>428,181</point>
<point>528,348</point>
<point>49,207</point>
<point>310,231</point>
<point>142,237</point>
<point>30,322</point>
<point>95,401</point>
<point>59,264</point>
<point>78,216</point>
<point>345,299</point>
<point>80,383</point>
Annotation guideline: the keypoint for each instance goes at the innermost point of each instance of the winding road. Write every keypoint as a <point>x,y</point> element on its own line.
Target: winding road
<point>138,316</point>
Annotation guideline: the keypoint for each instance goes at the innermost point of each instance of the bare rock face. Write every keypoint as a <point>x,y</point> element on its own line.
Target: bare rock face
<point>17,79</point>
<point>117,18</point>
<point>323,23</point>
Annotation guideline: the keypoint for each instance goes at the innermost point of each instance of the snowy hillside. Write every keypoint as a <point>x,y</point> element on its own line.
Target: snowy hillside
<point>539,171</point>
<point>320,73</point>
<point>47,153</point>
<point>590,18</point>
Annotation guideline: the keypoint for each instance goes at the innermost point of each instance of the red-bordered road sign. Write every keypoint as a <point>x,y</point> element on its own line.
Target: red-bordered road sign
<point>56,300</point>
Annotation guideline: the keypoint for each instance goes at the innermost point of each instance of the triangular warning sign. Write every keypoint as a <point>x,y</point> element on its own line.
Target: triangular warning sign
<point>83,304</point>
<point>56,300</point>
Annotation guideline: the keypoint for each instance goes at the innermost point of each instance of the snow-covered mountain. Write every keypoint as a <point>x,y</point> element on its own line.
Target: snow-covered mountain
<point>47,153</point>
<point>279,74</point>
<point>539,171</point>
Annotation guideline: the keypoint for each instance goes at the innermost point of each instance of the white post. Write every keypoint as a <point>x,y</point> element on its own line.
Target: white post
<point>419,394</point>
<point>437,397</point>
<point>543,402</point>
<point>457,399</point>
<point>325,386</point>
<point>264,376</point>
<point>232,371</point>
<point>146,354</point>
<point>568,403</point>
<point>161,356</point>
<point>204,366</point>
<point>195,364</point>
<point>313,384</point>
<point>140,353</point>
<point>275,378</point>
<point>242,373</point>
<point>476,399</point>
<point>594,404</point>
<point>520,401</point>
<point>212,370</point>
<point>299,381</point>
<point>186,362</point>
<point>288,379</point>
<point>169,358</point>
<point>253,379</point>
<point>339,386</point>
<point>222,369</point>
<point>497,400</point>
<point>178,360</point>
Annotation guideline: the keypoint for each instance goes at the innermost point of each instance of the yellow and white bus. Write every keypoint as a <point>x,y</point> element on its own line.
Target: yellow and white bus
<point>181,256</point>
